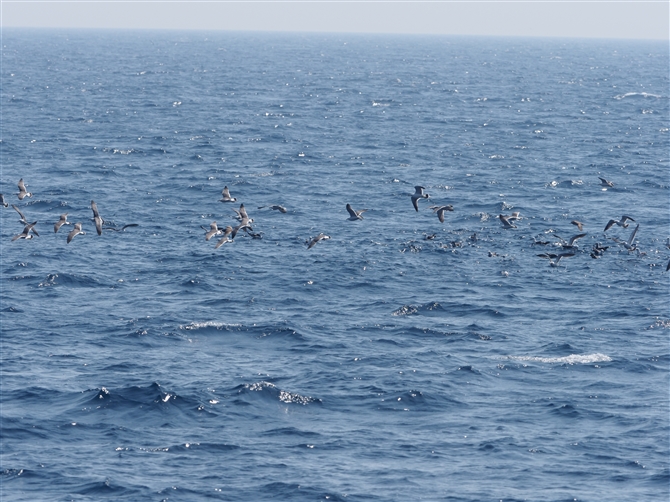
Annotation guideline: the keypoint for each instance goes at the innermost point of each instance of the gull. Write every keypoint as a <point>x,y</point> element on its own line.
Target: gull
<point>226,195</point>
<point>514,216</point>
<point>440,211</point>
<point>243,216</point>
<point>96,218</point>
<point>570,243</point>
<point>316,239</point>
<point>229,230</point>
<point>598,250</point>
<point>281,209</point>
<point>579,224</point>
<point>605,183</point>
<point>621,222</point>
<point>555,257</point>
<point>505,221</point>
<point>629,244</point>
<point>22,190</point>
<point>26,232</point>
<point>214,230</point>
<point>355,215</point>
<point>2,200</point>
<point>418,194</point>
<point>61,222</point>
<point>74,232</point>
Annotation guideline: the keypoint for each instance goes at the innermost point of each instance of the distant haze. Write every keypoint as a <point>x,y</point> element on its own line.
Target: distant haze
<point>594,19</point>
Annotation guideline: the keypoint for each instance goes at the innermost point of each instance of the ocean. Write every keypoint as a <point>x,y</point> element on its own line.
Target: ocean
<point>402,358</point>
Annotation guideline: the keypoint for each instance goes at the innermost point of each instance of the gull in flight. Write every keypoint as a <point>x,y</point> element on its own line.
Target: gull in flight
<point>74,232</point>
<point>243,216</point>
<point>629,244</point>
<point>570,243</point>
<point>554,259</point>
<point>229,230</point>
<point>96,218</point>
<point>440,211</point>
<point>505,221</point>
<point>418,194</point>
<point>621,222</point>
<point>578,224</point>
<point>281,209</point>
<point>26,232</point>
<point>214,230</point>
<point>22,190</point>
<point>226,195</point>
<point>61,222</point>
<point>355,215</point>
<point>316,239</point>
<point>605,183</point>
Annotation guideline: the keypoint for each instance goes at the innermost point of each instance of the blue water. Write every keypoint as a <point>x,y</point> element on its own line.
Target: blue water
<point>378,365</point>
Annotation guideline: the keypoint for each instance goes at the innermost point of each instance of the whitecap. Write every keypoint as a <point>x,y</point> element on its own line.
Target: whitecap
<point>571,359</point>
<point>643,94</point>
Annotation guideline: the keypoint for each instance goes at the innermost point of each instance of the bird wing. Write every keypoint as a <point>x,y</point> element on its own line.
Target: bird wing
<point>225,192</point>
<point>632,237</point>
<point>574,238</point>
<point>609,225</point>
<point>94,207</point>
<point>440,214</point>
<point>624,218</point>
<point>19,211</point>
<point>415,202</point>
<point>22,186</point>
<point>351,211</point>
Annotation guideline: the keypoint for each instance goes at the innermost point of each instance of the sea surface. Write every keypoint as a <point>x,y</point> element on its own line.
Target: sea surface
<point>401,359</point>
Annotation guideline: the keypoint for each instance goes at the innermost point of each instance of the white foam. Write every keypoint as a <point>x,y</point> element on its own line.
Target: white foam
<point>208,324</point>
<point>571,359</point>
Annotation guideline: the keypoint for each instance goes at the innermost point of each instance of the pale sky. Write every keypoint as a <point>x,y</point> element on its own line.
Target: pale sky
<point>642,19</point>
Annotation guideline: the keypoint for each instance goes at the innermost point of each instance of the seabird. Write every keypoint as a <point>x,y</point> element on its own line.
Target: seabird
<point>22,190</point>
<point>629,244</point>
<point>26,232</point>
<point>226,233</point>
<point>75,231</point>
<point>570,243</point>
<point>505,221</point>
<point>668,267</point>
<point>226,195</point>
<point>621,222</point>
<point>514,216</point>
<point>243,216</point>
<point>440,211</point>
<point>96,218</point>
<point>281,209</point>
<point>579,224</point>
<point>355,215</point>
<point>61,222</point>
<point>605,183</point>
<point>555,257</point>
<point>418,194</point>
<point>316,239</point>
<point>213,230</point>
<point>2,200</point>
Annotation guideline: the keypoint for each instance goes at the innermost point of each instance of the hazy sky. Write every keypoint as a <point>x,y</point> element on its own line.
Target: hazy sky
<point>562,18</point>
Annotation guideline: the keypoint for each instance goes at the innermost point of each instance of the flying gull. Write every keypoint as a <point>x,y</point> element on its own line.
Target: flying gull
<point>229,230</point>
<point>22,190</point>
<point>505,221</point>
<point>621,222</point>
<point>316,239</point>
<point>605,183</point>
<point>629,244</point>
<point>226,195</point>
<point>96,218</point>
<point>579,224</point>
<point>281,209</point>
<point>61,222</point>
<point>355,215</point>
<point>569,244</point>
<point>418,194</point>
<point>554,259</point>
<point>26,232</point>
<point>440,211</point>
<point>74,232</point>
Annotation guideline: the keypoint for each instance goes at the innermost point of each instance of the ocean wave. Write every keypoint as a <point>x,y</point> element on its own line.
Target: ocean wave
<point>637,94</point>
<point>571,359</point>
<point>272,392</point>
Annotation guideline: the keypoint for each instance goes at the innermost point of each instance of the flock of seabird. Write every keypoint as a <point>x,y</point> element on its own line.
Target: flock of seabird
<point>229,233</point>
<point>29,230</point>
